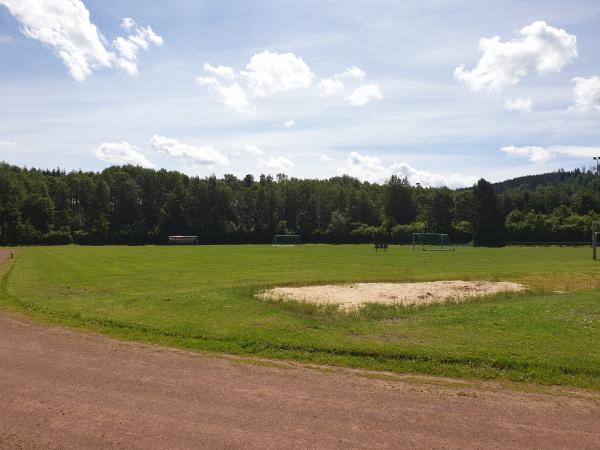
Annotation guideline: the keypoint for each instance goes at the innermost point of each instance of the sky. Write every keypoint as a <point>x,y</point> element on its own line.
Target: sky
<point>442,92</point>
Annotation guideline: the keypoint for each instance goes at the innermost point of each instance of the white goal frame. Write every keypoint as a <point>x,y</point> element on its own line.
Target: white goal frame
<point>595,239</point>
<point>183,240</point>
<point>286,240</point>
<point>429,242</point>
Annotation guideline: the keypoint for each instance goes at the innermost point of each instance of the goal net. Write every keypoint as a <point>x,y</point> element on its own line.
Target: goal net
<point>286,239</point>
<point>432,242</point>
<point>183,240</point>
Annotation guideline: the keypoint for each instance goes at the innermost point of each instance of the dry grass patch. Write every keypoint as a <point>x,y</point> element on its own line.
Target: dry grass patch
<point>353,296</point>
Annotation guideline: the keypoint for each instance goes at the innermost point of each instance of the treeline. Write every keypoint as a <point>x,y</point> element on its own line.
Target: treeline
<point>133,205</point>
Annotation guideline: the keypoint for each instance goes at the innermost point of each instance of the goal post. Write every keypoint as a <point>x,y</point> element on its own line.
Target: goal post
<point>286,239</point>
<point>432,242</point>
<point>595,239</point>
<point>183,240</point>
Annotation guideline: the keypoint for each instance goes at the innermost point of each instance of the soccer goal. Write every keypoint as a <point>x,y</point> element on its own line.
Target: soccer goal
<point>183,240</point>
<point>432,242</point>
<point>286,239</point>
<point>595,238</point>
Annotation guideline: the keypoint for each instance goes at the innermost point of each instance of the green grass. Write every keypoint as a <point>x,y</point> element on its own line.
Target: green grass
<point>203,298</point>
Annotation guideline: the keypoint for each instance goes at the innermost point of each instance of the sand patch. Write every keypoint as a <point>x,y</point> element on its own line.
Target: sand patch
<point>353,296</point>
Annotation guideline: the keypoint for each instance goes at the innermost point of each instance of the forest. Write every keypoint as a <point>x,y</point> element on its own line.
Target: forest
<point>134,205</point>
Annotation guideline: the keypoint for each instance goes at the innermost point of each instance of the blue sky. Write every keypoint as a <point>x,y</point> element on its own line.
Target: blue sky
<point>309,88</point>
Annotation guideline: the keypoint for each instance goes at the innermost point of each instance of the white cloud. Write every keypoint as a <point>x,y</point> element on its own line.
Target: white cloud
<point>330,87</point>
<point>289,123</point>
<point>253,149</point>
<point>205,155</point>
<point>364,94</point>
<point>65,26</point>
<point>364,167</point>
<point>540,49</point>
<point>519,104</point>
<point>352,72</point>
<point>534,153</point>
<point>268,73</point>
<point>121,153</point>
<point>324,158</point>
<point>128,48</point>
<point>232,96</point>
<point>425,178</point>
<point>8,144</point>
<point>127,23</point>
<point>539,154</point>
<point>587,92</point>
<point>221,71</point>
<point>279,164</point>
<point>370,168</point>
<point>576,151</point>
<point>5,39</point>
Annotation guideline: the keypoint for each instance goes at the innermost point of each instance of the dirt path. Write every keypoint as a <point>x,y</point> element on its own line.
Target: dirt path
<point>4,255</point>
<point>65,389</point>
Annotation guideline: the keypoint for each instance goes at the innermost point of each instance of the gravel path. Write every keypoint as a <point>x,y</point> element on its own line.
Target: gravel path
<point>62,389</point>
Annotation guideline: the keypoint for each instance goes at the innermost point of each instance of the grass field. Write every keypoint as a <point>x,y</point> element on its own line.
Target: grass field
<point>202,297</point>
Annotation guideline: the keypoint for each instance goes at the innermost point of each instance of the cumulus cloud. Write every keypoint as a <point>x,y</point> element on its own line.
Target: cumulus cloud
<point>539,49</point>
<point>352,72</point>
<point>268,73</point>
<point>205,155</point>
<point>330,87</point>
<point>225,72</point>
<point>5,39</point>
<point>324,158</point>
<point>522,105</point>
<point>253,149</point>
<point>370,168</point>
<point>289,123</point>
<point>539,154</point>
<point>128,47</point>
<point>232,95</point>
<point>364,167</point>
<point>65,26</point>
<point>279,164</point>
<point>587,92</point>
<point>127,23</point>
<point>364,94</point>
<point>121,153</point>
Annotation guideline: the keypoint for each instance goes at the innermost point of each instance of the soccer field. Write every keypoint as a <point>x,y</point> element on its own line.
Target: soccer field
<point>203,297</point>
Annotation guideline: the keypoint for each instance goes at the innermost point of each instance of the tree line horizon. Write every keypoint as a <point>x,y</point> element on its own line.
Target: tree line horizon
<point>135,205</point>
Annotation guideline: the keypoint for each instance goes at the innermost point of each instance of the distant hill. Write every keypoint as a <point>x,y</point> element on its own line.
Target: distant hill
<point>576,178</point>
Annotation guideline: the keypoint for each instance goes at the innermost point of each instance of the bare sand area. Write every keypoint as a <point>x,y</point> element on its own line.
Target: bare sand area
<point>352,296</point>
